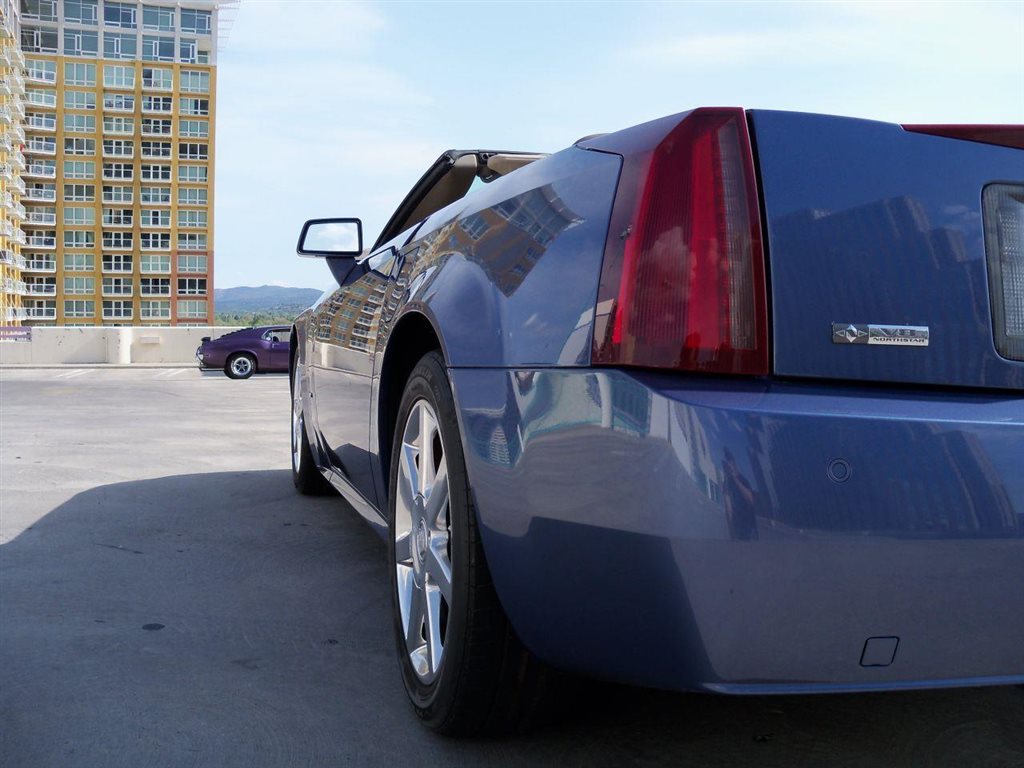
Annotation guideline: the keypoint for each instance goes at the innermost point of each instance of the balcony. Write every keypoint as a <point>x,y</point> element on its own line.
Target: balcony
<point>7,257</point>
<point>16,132</point>
<point>37,195</point>
<point>6,88</point>
<point>17,159</point>
<point>41,289</point>
<point>41,219</point>
<point>6,118</point>
<point>41,123</point>
<point>16,313</point>
<point>41,147</point>
<point>117,292</point>
<point>41,313</point>
<point>19,211</point>
<point>41,241</point>
<point>41,171</point>
<point>41,100</point>
<point>19,185</point>
<point>40,265</point>
<point>17,82</point>
<point>117,314</point>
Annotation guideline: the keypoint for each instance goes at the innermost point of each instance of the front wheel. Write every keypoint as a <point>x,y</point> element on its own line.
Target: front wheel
<point>240,366</point>
<point>464,669</point>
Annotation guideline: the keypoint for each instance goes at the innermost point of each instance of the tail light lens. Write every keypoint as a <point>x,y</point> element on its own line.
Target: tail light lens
<point>683,278</point>
<point>1003,210</point>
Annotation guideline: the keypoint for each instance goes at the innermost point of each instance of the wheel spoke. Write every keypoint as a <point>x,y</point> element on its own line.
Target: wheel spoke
<point>438,566</point>
<point>406,588</point>
<point>403,549</point>
<point>409,481</point>
<point>426,445</point>
<point>435,646</point>
<point>437,499</point>
<point>417,610</point>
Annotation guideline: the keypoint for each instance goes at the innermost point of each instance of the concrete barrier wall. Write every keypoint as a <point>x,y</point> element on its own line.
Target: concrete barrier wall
<point>119,345</point>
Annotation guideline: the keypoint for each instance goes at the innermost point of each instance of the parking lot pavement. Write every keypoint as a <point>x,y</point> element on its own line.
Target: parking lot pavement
<point>166,599</point>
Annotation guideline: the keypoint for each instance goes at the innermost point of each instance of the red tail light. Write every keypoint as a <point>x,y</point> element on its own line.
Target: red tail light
<point>683,279</point>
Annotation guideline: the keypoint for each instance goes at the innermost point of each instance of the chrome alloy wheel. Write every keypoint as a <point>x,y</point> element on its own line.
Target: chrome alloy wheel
<point>422,541</point>
<point>241,366</point>
<point>296,421</point>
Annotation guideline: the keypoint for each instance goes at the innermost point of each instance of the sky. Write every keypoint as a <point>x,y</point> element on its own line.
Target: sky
<point>330,108</point>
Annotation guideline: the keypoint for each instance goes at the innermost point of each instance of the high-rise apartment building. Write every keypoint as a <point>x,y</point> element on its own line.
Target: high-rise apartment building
<point>12,136</point>
<point>118,180</point>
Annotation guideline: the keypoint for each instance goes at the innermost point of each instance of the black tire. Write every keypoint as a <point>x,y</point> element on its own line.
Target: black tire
<point>240,365</point>
<point>487,682</point>
<point>305,475</point>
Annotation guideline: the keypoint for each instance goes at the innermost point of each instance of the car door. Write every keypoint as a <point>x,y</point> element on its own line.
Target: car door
<point>279,348</point>
<point>344,339</point>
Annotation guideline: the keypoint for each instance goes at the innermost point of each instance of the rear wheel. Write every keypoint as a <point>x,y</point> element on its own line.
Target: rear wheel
<point>240,366</point>
<point>463,668</point>
<point>305,475</point>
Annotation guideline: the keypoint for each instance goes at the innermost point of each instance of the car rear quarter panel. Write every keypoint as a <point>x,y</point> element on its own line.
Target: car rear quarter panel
<point>510,273</point>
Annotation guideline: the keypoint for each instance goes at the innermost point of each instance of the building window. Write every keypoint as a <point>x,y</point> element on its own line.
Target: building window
<point>79,169</point>
<point>80,217</point>
<point>190,106</point>
<point>155,241</point>
<point>188,52</point>
<point>117,286</point>
<point>79,100</point>
<point>199,129</point>
<point>191,196</point>
<point>120,240</point>
<point>117,217</point>
<point>41,97</point>
<point>155,286</point>
<point>156,217</point>
<point>112,194</point>
<point>79,74</point>
<point>195,82</point>
<point>195,22</point>
<point>119,125</point>
<point>119,15</point>
<point>80,147</point>
<point>157,48</point>
<point>81,12</point>
<point>156,104</point>
<point>156,149</point>
<point>79,308</point>
<point>117,309</point>
<point>118,76</point>
<point>192,263</point>
<point>192,219</point>
<point>191,286</point>
<point>117,262</point>
<point>117,170</point>
<point>79,124</point>
<point>155,310</point>
<point>154,126</point>
<point>79,285</point>
<point>119,46</point>
<point>188,151</point>
<point>79,42</point>
<point>119,102</point>
<point>38,40</point>
<point>157,18</point>
<point>79,193</point>
<point>156,195</point>
<point>79,262</point>
<point>118,148</point>
<point>192,174</point>
<point>191,242</point>
<point>42,10</point>
<point>156,172</point>
<point>152,263</point>
<point>191,308</point>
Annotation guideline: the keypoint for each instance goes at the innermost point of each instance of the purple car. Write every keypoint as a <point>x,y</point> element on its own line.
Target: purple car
<point>250,350</point>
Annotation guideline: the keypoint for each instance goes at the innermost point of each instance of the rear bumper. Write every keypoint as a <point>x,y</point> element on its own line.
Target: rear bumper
<point>751,538</point>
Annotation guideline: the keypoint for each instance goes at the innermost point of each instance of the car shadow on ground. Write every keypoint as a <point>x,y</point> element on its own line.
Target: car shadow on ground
<point>220,619</point>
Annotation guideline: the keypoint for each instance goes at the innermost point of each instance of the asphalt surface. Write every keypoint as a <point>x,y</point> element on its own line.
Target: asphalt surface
<point>166,599</point>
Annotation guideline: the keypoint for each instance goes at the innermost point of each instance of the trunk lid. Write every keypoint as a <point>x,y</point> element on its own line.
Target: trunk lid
<point>870,224</point>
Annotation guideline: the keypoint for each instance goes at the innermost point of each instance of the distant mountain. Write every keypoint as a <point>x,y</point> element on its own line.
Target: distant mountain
<point>273,299</point>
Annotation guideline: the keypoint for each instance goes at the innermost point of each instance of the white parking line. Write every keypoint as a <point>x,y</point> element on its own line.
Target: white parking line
<point>72,374</point>
<point>169,373</point>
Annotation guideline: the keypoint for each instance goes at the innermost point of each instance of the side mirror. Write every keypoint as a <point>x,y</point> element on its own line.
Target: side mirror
<point>331,237</point>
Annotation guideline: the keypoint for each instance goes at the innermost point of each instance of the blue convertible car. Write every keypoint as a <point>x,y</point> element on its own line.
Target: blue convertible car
<point>730,401</point>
